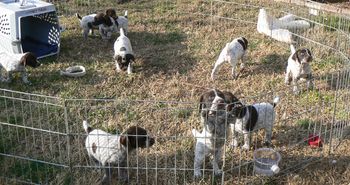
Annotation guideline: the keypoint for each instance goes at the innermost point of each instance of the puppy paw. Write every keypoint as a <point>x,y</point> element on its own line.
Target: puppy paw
<point>218,172</point>
<point>234,144</point>
<point>246,147</point>
<point>197,174</point>
<point>268,143</point>
<point>296,92</point>
<point>212,76</point>
<point>234,76</point>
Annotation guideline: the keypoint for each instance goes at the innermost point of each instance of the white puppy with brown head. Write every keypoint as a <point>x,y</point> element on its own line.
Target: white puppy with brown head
<point>114,150</point>
<point>298,68</point>
<point>231,53</point>
<point>123,53</point>
<point>14,63</point>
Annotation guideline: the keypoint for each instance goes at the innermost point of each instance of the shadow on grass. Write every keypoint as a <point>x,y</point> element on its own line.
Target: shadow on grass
<point>160,53</point>
<point>272,63</point>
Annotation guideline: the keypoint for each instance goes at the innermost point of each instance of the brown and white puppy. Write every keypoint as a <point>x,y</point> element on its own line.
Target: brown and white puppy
<point>250,118</point>
<point>114,150</point>
<point>213,108</point>
<point>103,22</point>
<point>231,53</point>
<point>17,63</point>
<point>123,53</point>
<point>298,68</point>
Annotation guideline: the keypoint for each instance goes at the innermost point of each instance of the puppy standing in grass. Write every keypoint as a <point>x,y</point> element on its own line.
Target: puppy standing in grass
<point>213,108</point>
<point>123,54</point>
<point>17,63</point>
<point>114,150</point>
<point>232,52</point>
<point>250,118</point>
<point>298,68</point>
<point>103,22</point>
<point>121,22</point>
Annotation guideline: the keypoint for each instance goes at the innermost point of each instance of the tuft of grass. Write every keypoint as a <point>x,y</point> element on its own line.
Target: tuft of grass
<point>305,123</point>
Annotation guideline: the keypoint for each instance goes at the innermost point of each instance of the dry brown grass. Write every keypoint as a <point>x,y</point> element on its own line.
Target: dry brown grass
<point>175,51</point>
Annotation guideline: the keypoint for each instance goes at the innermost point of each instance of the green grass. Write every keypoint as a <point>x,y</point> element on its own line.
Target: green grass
<point>333,22</point>
<point>33,171</point>
<point>305,124</point>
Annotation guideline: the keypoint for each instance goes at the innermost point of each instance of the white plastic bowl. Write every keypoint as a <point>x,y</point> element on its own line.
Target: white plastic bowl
<point>74,71</point>
<point>266,161</point>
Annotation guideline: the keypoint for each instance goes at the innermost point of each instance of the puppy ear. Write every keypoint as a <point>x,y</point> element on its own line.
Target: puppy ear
<point>98,19</point>
<point>310,54</point>
<point>123,140</point>
<point>107,20</point>
<point>201,104</point>
<point>130,57</point>
<point>23,60</point>
<point>229,107</point>
<point>239,110</point>
<point>118,58</point>
<point>295,56</point>
<point>243,43</point>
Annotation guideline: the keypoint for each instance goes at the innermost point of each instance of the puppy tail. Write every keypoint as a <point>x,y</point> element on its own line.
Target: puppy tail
<point>275,101</point>
<point>87,127</point>
<point>79,17</point>
<point>126,14</point>
<point>292,49</point>
<point>122,31</point>
<point>195,133</point>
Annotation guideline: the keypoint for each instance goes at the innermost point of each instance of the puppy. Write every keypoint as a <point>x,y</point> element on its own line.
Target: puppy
<point>250,118</point>
<point>17,63</point>
<point>121,22</point>
<point>123,54</point>
<point>298,67</point>
<point>113,150</point>
<point>111,13</point>
<point>232,52</point>
<point>100,21</point>
<point>213,108</point>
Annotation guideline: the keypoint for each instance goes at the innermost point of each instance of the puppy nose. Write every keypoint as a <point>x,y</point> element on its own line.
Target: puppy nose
<point>211,113</point>
<point>151,141</point>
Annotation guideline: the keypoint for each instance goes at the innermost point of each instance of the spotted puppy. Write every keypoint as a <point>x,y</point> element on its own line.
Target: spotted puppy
<point>17,63</point>
<point>121,22</point>
<point>113,150</point>
<point>213,107</point>
<point>250,118</point>
<point>232,52</point>
<point>123,54</point>
<point>104,23</point>
<point>298,68</point>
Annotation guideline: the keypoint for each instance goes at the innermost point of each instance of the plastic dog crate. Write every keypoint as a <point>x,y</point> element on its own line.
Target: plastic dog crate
<point>29,26</point>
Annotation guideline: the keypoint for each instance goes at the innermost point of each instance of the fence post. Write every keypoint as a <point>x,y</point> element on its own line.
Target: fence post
<point>334,114</point>
<point>68,138</point>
